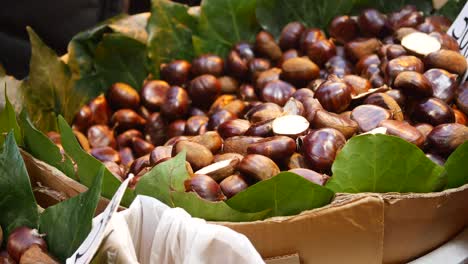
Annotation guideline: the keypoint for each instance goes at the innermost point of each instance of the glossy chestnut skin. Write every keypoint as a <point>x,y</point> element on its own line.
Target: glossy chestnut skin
<point>386,101</point>
<point>126,156</point>
<point>155,129</point>
<point>139,164</point>
<point>220,117</point>
<point>100,136</point>
<point>443,84</point>
<point>359,48</point>
<point>460,117</point>
<point>176,128</point>
<point>276,148</point>
<point>83,119</point>
<point>403,130</point>
<point>176,103</point>
<point>302,93</point>
<point>141,147</point>
<point>401,64</point>
<point>446,41</point>
<point>204,89</point>
<point>449,60</point>
<point>265,77</point>
<point>424,128</point>
<point>334,96</point>
<point>366,61</point>
<point>291,35</point>
<point>239,144</point>
<point>358,84</point>
<point>369,116</point>
<point>100,110</point>
<point>392,51</point>
<point>153,94</point>
<point>265,45</point>
<point>233,184</point>
<point>21,239</point>
<point>258,167</point>
<point>208,64</point>
<point>433,111</point>
<point>445,138</point>
<point>227,156</point>
<point>374,74</point>
<point>408,16</point>
<point>338,66</point>
<point>176,72</point>
<point>311,105</point>
<point>229,85</point>
<point>245,50</point>
<point>264,111</point>
<point>125,119</point>
<point>105,154</point>
<point>310,36</point>
<point>311,175</point>
<point>195,111</point>
<point>159,153</point>
<point>205,187</point>
<point>413,83</point>
<point>236,66</point>
<point>325,119</point>
<point>197,155</point>
<point>462,98</point>
<point>196,125</point>
<point>372,23</point>
<point>261,129</point>
<point>277,92</point>
<point>234,127</point>
<point>256,66</point>
<point>125,139</point>
<point>398,96</point>
<point>320,51</point>
<point>211,139</point>
<point>288,54</point>
<point>343,29</point>
<point>122,95</point>
<point>221,102</point>
<point>299,71</point>
<point>320,147</point>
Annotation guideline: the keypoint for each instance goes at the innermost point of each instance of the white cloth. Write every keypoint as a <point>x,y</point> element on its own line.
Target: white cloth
<point>151,232</point>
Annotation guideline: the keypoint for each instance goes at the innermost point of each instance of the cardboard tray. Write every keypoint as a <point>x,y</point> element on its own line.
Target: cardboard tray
<point>354,228</point>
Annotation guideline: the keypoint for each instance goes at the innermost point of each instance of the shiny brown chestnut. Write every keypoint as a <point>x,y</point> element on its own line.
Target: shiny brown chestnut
<point>139,164</point>
<point>311,105</point>
<point>83,119</point>
<point>413,84</point>
<point>265,77</point>
<point>338,66</point>
<point>125,139</point>
<point>262,112</point>
<point>126,156</point>
<point>208,64</point>
<point>299,71</point>
<point>290,35</point>
<point>265,45</point>
<point>261,129</point>
<point>256,66</point>
<point>401,64</point>
<point>100,110</point>
<point>462,98</point>
<point>197,155</point>
<point>320,147</point>
<point>233,185</point>
<point>403,130</point>
<point>277,92</point>
<point>204,89</point>
<point>105,154</point>
<point>221,102</point>
<point>343,29</point>
<point>369,116</point>
<point>115,169</point>
<point>386,101</point>
<point>366,61</point>
<point>296,160</point>
<point>205,187</point>
<point>234,127</point>
<point>398,96</point>
<point>446,41</point>
<point>448,60</point>
<point>176,72</point>
<point>220,117</point>
<point>309,36</point>
<point>239,144</point>
<point>176,103</point>
<point>302,93</point>
<point>141,147</point>
<point>372,23</point>
<point>433,111</point>
<point>153,94</point>
<point>359,48</point>
<point>227,156</point>
<point>311,175</point>
<point>258,167</point>
<point>125,119</point>
<point>211,139</point>
<point>245,50</point>
<point>320,51</point>
<point>334,96</point>
<point>229,85</point>
<point>445,138</point>
<point>196,125</point>
<point>155,129</point>
<point>358,84</point>
<point>236,66</point>
<point>424,128</point>
<point>443,84</point>
<point>325,119</point>
<point>100,136</point>
<point>159,153</point>
<point>176,128</point>
<point>122,95</point>
<point>247,93</point>
<point>293,106</point>
<point>288,54</point>
<point>277,148</point>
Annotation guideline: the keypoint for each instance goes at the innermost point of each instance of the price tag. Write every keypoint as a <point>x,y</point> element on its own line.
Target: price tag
<point>459,31</point>
<point>85,253</point>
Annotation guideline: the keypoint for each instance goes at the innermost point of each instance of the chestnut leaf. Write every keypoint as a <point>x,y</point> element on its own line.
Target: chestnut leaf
<point>382,163</point>
<point>88,165</point>
<point>67,224</point>
<point>170,33</point>
<point>17,203</point>
<point>42,148</point>
<point>284,194</point>
<point>223,23</point>
<point>8,122</point>
<point>213,211</point>
<point>457,174</point>
<point>163,178</point>
<point>13,89</point>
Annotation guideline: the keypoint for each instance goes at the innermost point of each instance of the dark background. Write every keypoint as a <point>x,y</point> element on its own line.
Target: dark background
<point>56,22</point>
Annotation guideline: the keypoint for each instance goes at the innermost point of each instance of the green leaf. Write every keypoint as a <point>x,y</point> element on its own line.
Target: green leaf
<point>285,194</point>
<point>212,211</point>
<point>162,179</point>
<point>49,90</point>
<point>223,23</point>
<point>42,148</point>
<point>88,165</point>
<point>452,8</point>
<point>170,33</point>
<point>17,203</point>
<point>381,163</point>
<point>8,122</point>
<point>456,164</point>
<point>395,5</point>
<point>132,26</point>
<point>68,223</point>
<point>13,90</point>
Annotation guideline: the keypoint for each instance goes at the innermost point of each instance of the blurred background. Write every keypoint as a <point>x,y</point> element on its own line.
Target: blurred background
<point>56,21</point>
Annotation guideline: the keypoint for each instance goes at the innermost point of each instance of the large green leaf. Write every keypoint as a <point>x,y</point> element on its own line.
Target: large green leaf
<point>49,90</point>
<point>456,167</point>
<point>42,148</point>
<point>170,33</point>
<point>223,23</point>
<point>394,5</point>
<point>88,165</point>
<point>164,178</point>
<point>212,211</point>
<point>13,90</point>
<point>381,163</point>
<point>132,26</point>
<point>8,122</point>
<point>452,8</point>
<point>285,194</point>
<point>68,223</point>
<point>17,203</point>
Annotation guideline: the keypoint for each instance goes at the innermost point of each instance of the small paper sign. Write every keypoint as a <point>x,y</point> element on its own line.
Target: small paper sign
<point>459,31</point>
<point>88,248</point>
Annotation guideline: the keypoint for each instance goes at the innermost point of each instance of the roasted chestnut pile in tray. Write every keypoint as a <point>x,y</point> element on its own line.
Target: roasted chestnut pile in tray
<point>25,246</point>
<point>289,104</point>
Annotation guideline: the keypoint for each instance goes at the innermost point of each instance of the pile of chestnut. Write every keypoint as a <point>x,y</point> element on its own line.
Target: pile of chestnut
<point>25,246</point>
<point>289,104</point>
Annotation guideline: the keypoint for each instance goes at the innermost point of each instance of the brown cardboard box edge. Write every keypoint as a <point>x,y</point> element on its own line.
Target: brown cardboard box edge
<point>354,228</point>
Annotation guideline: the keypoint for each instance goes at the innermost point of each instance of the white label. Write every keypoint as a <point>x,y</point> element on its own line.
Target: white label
<point>459,31</point>
<point>85,253</point>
